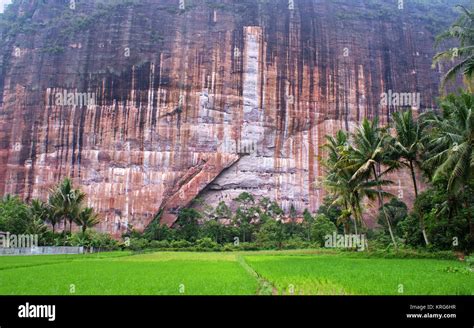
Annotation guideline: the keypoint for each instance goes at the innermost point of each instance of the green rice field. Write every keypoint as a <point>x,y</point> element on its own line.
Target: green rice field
<point>247,273</point>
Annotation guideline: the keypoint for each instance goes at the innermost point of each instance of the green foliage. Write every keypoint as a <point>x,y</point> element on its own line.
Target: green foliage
<point>321,228</point>
<point>246,216</point>
<point>352,171</point>
<point>462,31</point>
<point>245,198</point>
<point>450,143</point>
<point>66,202</point>
<point>159,244</point>
<point>207,244</point>
<point>441,143</point>
<point>405,149</point>
<point>410,231</point>
<point>444,232</point>
<point>86,218</point>
<point>213,230</point>
<point>188,226</point>
<point>53,49</point>
<point>13,215</point>
<point>138,244</point>
<point>159,232</point>
<point>446,219</point>
<point>271,234</point>
<point>93,239</point>
<point>470,262</point>
<point>332,211</point>
<point>396,211</point>
<point>222,211</point>
<point>180,244</point>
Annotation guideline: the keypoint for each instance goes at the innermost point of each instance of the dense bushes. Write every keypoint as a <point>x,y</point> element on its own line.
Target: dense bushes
<point>92,240</point>
<point>253,224</point>
<point>65,206</point>
<point>208,245</point>
<point>446,222</point>
<point>322,227</point>
<point>446,218</point>
<point>261,225</point>
<point>13,215</point>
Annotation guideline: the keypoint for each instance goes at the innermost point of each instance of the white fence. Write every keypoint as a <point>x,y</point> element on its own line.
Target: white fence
<point>42,250</point>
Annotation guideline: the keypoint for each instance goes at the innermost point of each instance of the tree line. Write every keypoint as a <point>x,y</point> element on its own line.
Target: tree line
<point>65,207</point>
<point>438,145</point>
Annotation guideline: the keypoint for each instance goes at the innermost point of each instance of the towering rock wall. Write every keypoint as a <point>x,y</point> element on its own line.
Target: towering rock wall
<point>173,99</point>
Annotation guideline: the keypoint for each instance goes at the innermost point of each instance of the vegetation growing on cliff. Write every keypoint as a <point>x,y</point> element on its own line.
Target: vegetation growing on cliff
<point>463,55</point>
<point>426,13</point>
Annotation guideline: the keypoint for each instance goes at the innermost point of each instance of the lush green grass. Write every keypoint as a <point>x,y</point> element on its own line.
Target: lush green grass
<point>10,262</point>
<point>148,274</point>
<point>349,274</point>
<point>167,273</point>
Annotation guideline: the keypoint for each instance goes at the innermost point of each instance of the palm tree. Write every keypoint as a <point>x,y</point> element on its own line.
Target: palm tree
<point>406,147</point>
<point>339,180</point>
<point>350,192</point>
<point>38,210</point>
<point>451,140</point>
<point>368,154</point>
<point>336,180</point>
<point>450,145</point>
<point>462,31</point>
<point>53,216</point>
<point>87,219</point>
<point>66,201</point>
<point>37,215</point>
<point>335,147</point>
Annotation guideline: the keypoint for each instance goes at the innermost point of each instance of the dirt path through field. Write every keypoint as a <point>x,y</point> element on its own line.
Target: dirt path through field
<point>265,287</point>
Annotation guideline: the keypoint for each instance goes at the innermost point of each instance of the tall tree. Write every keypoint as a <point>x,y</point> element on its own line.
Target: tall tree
<point>87,219</point>
<point>368,154</point>
<point>337,179</point>
<point>37,216</point>
<point>245,214</point>
<point>188,224</point>
<point>66,201</point>
<point>406,147</point>
<point>53,214</point>
<point>450,145</point>
<point>348,191</point>
<point>463,32</point>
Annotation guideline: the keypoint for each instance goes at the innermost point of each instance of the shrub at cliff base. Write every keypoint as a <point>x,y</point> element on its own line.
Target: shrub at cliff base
<point>92,240</point>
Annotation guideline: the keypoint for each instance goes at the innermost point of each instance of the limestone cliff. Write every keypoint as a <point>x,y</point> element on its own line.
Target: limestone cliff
<point>172,99</point>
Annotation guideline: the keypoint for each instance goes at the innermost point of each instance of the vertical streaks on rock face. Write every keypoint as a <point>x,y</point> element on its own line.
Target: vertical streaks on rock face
<point>218,98</point>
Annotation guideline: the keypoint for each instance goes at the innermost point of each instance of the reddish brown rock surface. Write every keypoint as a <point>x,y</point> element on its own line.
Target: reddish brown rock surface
<point>213,100</point>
